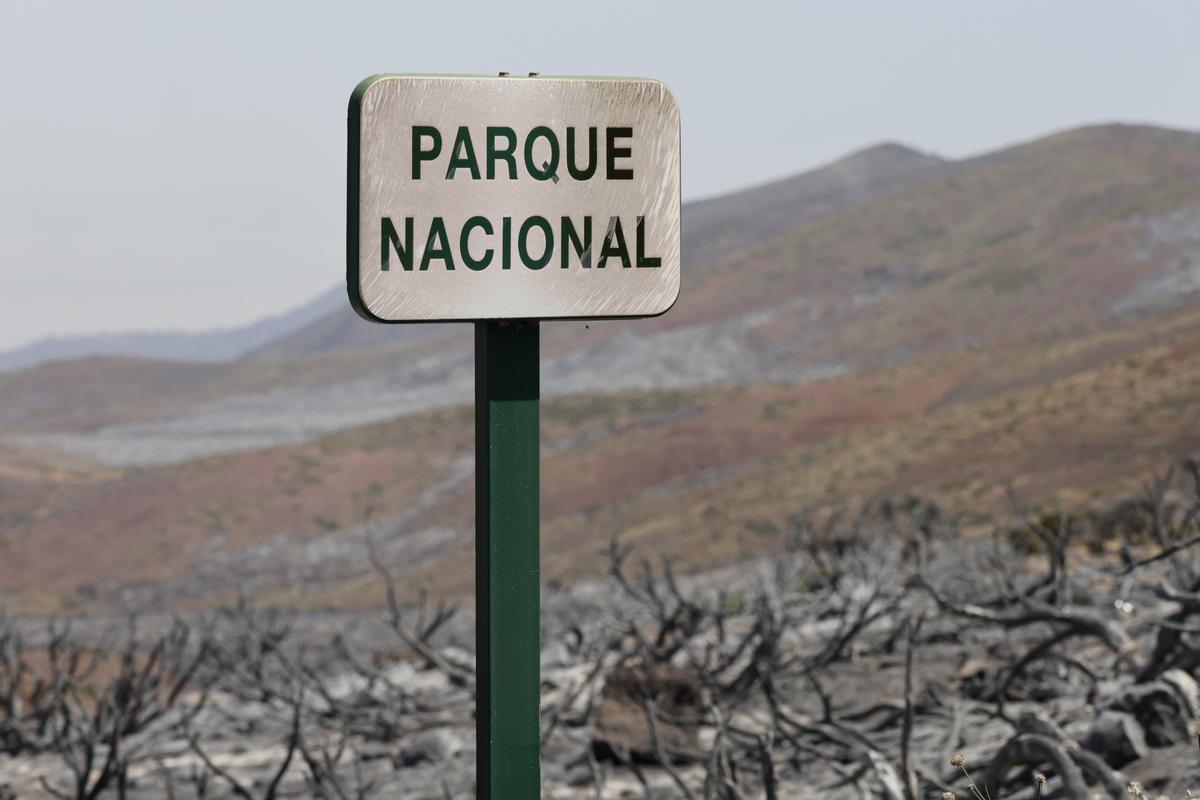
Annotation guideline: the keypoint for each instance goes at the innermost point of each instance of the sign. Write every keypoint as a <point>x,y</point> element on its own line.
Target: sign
<point>494,200</point>
<point>480,198</point>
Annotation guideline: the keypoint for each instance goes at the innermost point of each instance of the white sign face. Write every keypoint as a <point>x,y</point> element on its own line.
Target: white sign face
<point>512,198</point>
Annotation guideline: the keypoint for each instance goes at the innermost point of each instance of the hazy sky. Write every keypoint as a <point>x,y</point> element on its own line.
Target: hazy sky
<point>182,165</point>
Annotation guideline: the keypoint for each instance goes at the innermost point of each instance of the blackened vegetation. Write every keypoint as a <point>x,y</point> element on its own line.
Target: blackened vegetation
<point>884,654</point>
<point>91,706</point>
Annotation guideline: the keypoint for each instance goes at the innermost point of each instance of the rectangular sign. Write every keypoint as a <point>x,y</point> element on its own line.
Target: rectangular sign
<point>480,198</point>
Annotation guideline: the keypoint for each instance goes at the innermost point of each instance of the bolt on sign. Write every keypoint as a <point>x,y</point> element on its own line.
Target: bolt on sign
<point>480,198</point>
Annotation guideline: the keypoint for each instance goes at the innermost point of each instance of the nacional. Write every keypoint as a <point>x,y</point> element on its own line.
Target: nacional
<point>475,244</point>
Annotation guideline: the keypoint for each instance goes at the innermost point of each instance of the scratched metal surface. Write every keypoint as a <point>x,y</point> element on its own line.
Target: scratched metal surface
<point>391,106</point>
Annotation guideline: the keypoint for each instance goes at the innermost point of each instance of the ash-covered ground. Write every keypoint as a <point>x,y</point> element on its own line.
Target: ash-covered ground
<point>885,653</point>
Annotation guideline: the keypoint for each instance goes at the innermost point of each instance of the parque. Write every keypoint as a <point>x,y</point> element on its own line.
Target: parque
<point>535,244</point>
<point>501,153</point>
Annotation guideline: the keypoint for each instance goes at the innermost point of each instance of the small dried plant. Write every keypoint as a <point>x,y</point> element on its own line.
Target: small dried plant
<point>960,762</point>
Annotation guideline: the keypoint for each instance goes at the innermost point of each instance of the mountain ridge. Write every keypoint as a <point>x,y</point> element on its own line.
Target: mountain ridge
<point>1062,231</point>
<point>1029,318</point>
<point>756,212</point>
<point>327,323</point>
<point>213,345</point>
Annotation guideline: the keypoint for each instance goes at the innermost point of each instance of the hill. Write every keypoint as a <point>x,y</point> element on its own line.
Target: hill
<point>715,228</point>
<point>1064,232</point>
<point>1027,319</point>
<point>217,345</point>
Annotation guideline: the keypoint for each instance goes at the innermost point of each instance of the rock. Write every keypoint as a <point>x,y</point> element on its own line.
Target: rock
<point>414,681</point>
<point>372,751</point>
<point>245,727</point>
<point>579,775</point>
<point>1161,708</point>
<point>398,672</point>
<point>622,729</point>
<point>458,657</point>
<point>382,728</point>
<point>347,687</point>
<point>361,699</point>
<point>1117,738</point>
<point>555,654</point>
<point>977,677</point>
<point>429,747</point>
<point>1186,687</point>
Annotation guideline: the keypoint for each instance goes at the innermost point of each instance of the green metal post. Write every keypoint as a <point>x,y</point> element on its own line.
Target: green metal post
<point>507,563</point>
